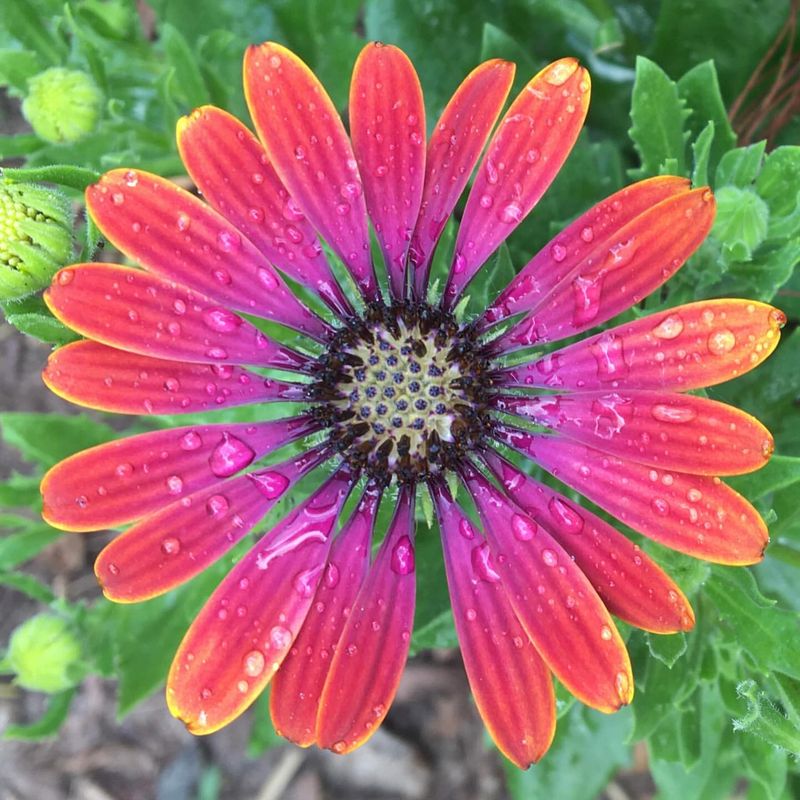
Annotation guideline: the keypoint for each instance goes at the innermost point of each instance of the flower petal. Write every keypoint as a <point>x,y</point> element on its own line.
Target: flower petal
<point>373,648</point>
<point>532,142</point>
<point>124,480</point>
<point>672,431</point>
<point>232,170</point>
<point>309,149</point>
<point>630,584</point>
<point>594,232</point>
<point>297,688</point>
<point>225,660</point>
<point>387,125</point>
<point>510,682</point>
<point>456,143</point>
<point>683,348</point>
<point>176,235</point>
<point>179,541</point>
<point>606,280</point>
<point>694,514</point>
<point>554,602</point>
<point>96,376</point>
<point>132,310</point>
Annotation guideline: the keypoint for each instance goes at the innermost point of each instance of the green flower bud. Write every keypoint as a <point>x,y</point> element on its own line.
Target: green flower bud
<point>63,105</point>
<point>35,238</point>
<point>45,654</point>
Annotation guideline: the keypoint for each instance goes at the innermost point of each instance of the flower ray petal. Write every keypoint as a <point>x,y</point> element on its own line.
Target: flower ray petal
<point>693,514</point>
<point>529,147</point>
<point>554,601</point>
<point>297,688</point>
<point>687,347</point>
<point>511,684</point>
<point>387,125</point>
<point>224,662</point>
<point>104,378</point>
<point>124,480</point>
<point>597,228</point>
<point>630,584</point>
<point>671,431</point>
<point>309,149</point>
<point>176,235</point>
<point>232,170</point>
<point>133,310</point>
<point>372,650</point>
<point>179,541</point>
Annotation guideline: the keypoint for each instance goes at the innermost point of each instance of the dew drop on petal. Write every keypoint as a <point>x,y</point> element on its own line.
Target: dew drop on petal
<point>174,484</point>
<point>669,327</point>
<point>229,241</point>
<point>221,320</point>
<point>170,546</point>
<point>267,278</point>
<point>65,277</point>
<point>511,213</point>
<point>280,638</point>
<point>673,414</point>
<point>623,684</point>
<point>332,576</point>
<point>402,560</point>
<point>559,73</point>
<point>565,517</point>
<point>605,633</point>
<point>558,252</point>
<point>483,563</point>
<point>660,506</point>
<point>190,441</point>
<point>721,342</point>
<point>271,484</point>
<point>229,456</point>
<point>466,529</point>
<point>184,221</point>
<point>524,528</point>
<point>124,470</point>
<point>217,505</point>
<point>549,558</point>
<point>254,663</point>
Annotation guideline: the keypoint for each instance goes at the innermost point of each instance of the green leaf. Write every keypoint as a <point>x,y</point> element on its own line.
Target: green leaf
<point>28,585</point>
<point>188,82</point>
<point>48,724</point>
<point>62,174</point>
<point>28,27</point>
<point>657,116</point>
<point>16,66</point>
<point>588,749</point>
<point>772,639</point>
<point>19,490</point>
<point>763,719</point>
<point>699,88</point>
<point>667,649</point>
<point>262,732</point>
<point>44,327</point>
<point>741,222</point>
<point>16,548</point>
<point>740,167</point>
<point>701,153</point>
<point>49,438</point>
<point>778,473</point>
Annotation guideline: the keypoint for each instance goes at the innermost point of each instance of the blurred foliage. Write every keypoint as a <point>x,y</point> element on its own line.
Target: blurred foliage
<point>716,705</point>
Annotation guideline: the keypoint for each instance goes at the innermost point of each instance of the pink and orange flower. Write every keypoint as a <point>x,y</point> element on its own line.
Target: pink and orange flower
<point>396,396</point>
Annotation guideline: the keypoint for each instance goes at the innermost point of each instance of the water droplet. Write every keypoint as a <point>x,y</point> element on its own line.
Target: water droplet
<point>179,307</point>
<point>271,484</point>
<point>305,582</point>
<point>229,241</point>
<point>117,198</point>
<point>190,441</point>
<point>511,213</point>
<point>403,557</point>
<point>486,201</point>
<point>131,178</point>
<point>483,563</point>
<point>623,684</point>
<point>124,470</point>
<point>331,576</point>
<point>459,264</point>
<point>694,495</point>
<point>587,234</point>
<point>254,663</point>
<point>174,484</point>
<point>184,222</point>
<point>523,527</point>
<point>221,320</point>
<point>222,276</point>
<point>560,72</point>
<point>65,277</point>
<point>606,634</point>
<point>660,506</point>
<point>472,614</point>
<point>532,156</point>
<point>609,354</point>
<point>721,342</point>
<point>280,638</point>
<point>170,546</point>
<point>217,505</point>
<point>558,252</point>
<point>549,558</point>
<point>565,517</point>
<point>206,693</point>
<point>669,327</point>
<point>675,414</point>
<point>82,501</point>
<point>229,456</point>
<point>339,747</point>
<point>242,686</point>
<point>466,529</point>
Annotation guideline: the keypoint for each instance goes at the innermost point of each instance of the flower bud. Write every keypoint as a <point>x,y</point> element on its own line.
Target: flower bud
<point>62,105</point>
<point>45,654</point>
<point>35,238</point>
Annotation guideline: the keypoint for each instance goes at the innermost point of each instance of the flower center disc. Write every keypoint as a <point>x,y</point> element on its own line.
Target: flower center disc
<point>402,392</point>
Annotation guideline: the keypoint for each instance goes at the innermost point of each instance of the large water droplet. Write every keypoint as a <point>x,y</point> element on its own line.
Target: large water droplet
<point>609,354</point>
<point>305,582</point>
<point>675,414</point>
<point>170,546</point>
<point>511,213</point>
<point>280,638</point>
<point>558,252</point>
<point>660,506</point>
<point>229,456</point>
<point>332,575</point>
<point>271,484</point>
<point>254,663</point>
<point>483,563</point>
<point>523,527</point>
<point>560,72</point>
<point>221,320</point>
<point>623,684</point>
<point>403,557</point>
<point>565,517</point>
<point>229,241</point>
<point>466,529</point>
<point>190,441</point>
<point>669,327</point>
<point>217,505</point>
<point>721,342</point>
<point>174,484</point>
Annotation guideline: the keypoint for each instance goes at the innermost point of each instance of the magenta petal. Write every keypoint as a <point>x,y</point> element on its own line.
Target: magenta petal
<point>178,542</point>
<point>554,601</point>
<point>309,150</point>
<point>387,123</point>
<point>630,584</point>
<point>373,647</point>
<point>694,514</point>
<point>245,630</point>
<point>297,688</point>
<point>510,682</point>
<point>216,147</point>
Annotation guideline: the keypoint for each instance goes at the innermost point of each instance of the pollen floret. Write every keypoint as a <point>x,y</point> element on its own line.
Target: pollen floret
<point>401,391</point>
